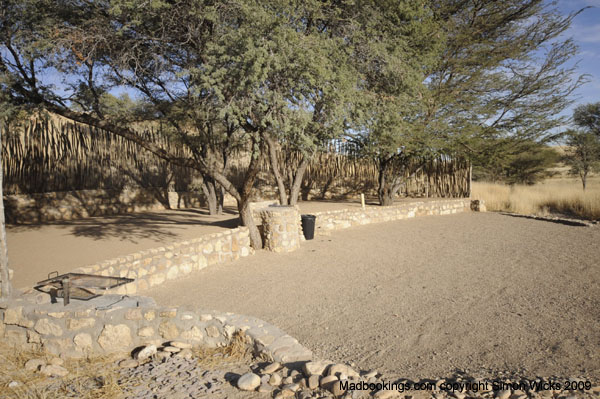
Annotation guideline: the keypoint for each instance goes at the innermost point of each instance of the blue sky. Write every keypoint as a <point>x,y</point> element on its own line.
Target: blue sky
<point>585,31</point>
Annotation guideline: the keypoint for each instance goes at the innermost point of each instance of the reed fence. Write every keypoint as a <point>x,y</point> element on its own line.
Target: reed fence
<point>48,154</point>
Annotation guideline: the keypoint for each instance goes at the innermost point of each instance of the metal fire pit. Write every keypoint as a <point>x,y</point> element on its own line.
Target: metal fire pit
<point>79,285</point>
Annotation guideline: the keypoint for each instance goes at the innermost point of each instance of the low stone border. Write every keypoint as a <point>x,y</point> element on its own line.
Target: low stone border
<point>345,218</point>
<point>115,323</point>
<point>157,265</point>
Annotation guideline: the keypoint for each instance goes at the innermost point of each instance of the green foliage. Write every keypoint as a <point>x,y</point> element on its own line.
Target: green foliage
<point>587,117</point>
<point>407,79</point>
<point>501,80</point>
<point>531,165</point>
<point>582,154</point>
<point>514,162</point>
<point>400,41</point>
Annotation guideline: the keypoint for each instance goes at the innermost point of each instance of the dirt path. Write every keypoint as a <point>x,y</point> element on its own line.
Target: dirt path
<point>424,297</point>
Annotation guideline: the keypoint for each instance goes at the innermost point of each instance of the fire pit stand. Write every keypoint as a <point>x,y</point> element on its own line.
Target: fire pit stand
<point>79,285</point>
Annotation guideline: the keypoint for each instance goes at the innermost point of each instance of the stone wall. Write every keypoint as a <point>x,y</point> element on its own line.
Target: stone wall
<point>112,324</point>
<point>67,205</point>
<point>157,265</point>
<point>281,228</point>
<point>345,218</point>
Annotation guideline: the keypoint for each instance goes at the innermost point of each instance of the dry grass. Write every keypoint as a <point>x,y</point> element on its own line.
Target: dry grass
<point>237,351</point>
<point>562,196</point>
<point>95,378</point>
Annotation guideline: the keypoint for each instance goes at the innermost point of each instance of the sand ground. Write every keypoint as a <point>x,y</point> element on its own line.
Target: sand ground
<point>36,250</point>
<point>426,297</point>
<point>419,298</point>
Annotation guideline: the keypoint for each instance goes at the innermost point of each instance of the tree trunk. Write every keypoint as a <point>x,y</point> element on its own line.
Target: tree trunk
<point>210,192</point>
<point>244,194</point>
<point>274,161</point>
<point>384,193</point>
<point>325,188</point>
<point>305,189</point>
<point>220,200</point>
<point>584,180</point>
<point>248,221</point>
<point>295,190</point>
<point>386,200</point>
<point>5,286</point>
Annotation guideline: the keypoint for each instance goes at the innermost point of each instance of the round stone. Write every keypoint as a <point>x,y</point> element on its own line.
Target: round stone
<point>271,368</point>
<point>265,388</point>
<point>327,382</point>
<point>171,349</point>
<point>503,394</point>
<point>248,382</point>
<point>128,363</point>
<point>181,345</point>
<point>34,364</point>
<point>314,368</point>
<point>54,370</point>
<point>291,387</point>
<point>146,352</point>
<point>313,381</point>
<point>275,379</point>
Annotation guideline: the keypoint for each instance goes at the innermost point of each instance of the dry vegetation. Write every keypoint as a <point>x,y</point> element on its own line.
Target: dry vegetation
<point>33,385</point>
<point>563,196</point>
<point>98,377</point>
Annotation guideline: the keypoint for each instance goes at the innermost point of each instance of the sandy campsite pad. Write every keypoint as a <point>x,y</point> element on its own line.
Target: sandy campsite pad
<point>37,249</point>
<point>425,297</point>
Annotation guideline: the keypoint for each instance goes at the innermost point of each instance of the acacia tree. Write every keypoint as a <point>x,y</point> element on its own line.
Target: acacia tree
<point>499,81</point>
<point>157,50</point>
<point>398,45</point>
<point>583,144</point>
<point>514,162</point>
<point>196,65</point>
<point>587,116</point>
<point>582,154</point>
<point>502,78</point>
<point>317,105</point>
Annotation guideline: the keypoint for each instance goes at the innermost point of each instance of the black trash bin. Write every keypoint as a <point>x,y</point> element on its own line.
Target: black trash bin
<point>308,226</point>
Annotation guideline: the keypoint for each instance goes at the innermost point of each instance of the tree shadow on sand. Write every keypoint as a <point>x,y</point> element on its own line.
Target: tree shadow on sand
<point>158,226</point>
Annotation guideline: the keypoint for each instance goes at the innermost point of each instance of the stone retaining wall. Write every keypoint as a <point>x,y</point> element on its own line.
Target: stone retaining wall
<point>68,205</point>
<point>113,323</point>
<point>345,218</point>
<point>157,265</point>
<point>281,228</point>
